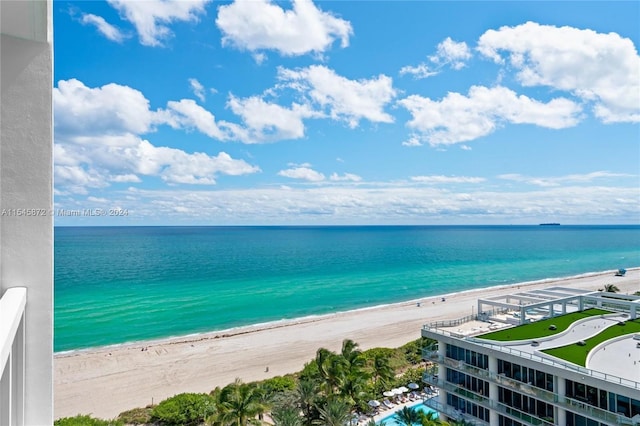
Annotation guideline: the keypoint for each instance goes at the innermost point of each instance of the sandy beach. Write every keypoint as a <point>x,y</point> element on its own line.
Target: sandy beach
<point>106,381</point>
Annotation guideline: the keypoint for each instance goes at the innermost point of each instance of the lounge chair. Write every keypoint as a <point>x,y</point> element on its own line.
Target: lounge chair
<point>388,404</point>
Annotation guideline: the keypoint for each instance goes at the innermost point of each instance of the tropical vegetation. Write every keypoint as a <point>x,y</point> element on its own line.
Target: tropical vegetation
<point>610,288</point>
<point>331,390</point>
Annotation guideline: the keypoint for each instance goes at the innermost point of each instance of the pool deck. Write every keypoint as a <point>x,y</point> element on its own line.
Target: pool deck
<point>390,411</point>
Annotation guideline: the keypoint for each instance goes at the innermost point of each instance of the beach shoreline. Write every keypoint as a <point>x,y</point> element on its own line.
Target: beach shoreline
<point>104,381</point>
<point>269,325</point>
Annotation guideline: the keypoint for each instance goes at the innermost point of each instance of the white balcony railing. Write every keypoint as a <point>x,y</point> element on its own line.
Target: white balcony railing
<point>12,338</point>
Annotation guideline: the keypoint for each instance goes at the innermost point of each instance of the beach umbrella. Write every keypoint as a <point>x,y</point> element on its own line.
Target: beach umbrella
<point>388,393</point>
<point>413,386</point>
<point>396,391</point>
<point>374,403</point>
<point>403,389</point>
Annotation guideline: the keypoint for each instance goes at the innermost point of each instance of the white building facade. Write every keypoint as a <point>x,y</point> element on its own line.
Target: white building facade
<point>485,382</point>
<point>26,222</point>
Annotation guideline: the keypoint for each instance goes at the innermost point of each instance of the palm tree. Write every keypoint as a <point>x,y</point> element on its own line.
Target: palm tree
<point>381,369</point>
<point>239,404</point>
<point>460,423</point>
<point>353,377</point>
<point>351,353</point>
<point>352,387</point>
<point>307,392</point>
<point>264,397</point>
<point>335,413</point>
<point>430,419</point>
<point>408,416</point>
<point>330,367</point>
<point>611,288</point>
<point>286,416</point>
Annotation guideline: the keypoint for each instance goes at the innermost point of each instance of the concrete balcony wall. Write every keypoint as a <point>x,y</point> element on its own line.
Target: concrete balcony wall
<point>26,182</point>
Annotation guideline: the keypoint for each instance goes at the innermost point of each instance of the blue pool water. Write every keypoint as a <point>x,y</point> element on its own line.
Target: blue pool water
<point>391,420</point>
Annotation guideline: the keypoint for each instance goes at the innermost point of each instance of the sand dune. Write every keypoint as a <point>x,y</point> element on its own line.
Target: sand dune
<point>106,381</point>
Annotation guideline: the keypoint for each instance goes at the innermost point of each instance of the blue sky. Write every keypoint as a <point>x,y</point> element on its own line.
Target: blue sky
<point>346,112</point>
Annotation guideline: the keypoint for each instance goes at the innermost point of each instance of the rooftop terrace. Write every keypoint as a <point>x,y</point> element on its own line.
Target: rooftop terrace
<point>597,333</point>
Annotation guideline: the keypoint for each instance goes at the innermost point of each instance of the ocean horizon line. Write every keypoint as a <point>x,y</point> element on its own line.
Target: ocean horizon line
<point>285,322</point>
<point>453,225</point>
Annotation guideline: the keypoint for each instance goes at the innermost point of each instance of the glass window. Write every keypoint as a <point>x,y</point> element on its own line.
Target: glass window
<point>635,407</point>
<point>541,379</point>
<point>516,372</point>
<point>549,386</point>
<point>623,406</point>
<point>612,402</point>
<point>603,399</point>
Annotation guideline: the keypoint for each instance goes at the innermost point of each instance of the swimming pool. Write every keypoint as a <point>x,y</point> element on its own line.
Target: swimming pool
<point>391,420</point>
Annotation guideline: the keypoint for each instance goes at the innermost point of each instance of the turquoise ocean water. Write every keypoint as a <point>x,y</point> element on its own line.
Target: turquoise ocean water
<point>122,284</point>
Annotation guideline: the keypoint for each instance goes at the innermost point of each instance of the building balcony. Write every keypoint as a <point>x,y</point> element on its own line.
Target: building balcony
<point>560,401</point>
<point>452,413</point>
<point>484,401</point>
<point>12,356</point>
<point>434,332</point>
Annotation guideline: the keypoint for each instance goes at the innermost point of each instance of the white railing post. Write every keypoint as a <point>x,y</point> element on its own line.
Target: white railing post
<point>12,353</point>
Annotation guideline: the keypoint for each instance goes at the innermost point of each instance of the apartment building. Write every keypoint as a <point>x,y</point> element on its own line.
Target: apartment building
<point>557,356</point>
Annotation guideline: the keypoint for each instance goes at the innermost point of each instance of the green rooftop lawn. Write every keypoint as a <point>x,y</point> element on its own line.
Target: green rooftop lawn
<point>539,329</point>
<point>578,354</point>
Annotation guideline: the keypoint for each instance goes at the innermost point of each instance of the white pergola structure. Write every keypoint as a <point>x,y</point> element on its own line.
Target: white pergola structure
<point>521,307</point>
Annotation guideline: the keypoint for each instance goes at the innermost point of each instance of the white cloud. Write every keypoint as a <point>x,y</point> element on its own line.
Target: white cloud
<point>447,179</point>
<point>110,109</point>
<point>97,199</point>
<point>454,54</point>
<point>125,178</point>
<point>382,204</point>
<point>106,29</point>
<point>268,121</point>
<point>412,141</point>
<point>187,114</point>
<point>599,68</point>
<point>420,71</point>
<point>451,53</point>
<point>346,100</point>
<point>151,17</point>
<point>97,140</point>
<point>458,118</point>
<point>103,163</point>
<point>259,58</point>
<point>261,25</point>
<point>76,179</point>
<point>562,180</point>
<point>176,166</point>
<point>303,173</point>
<point>346,177</point>
<point>197,88</point>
